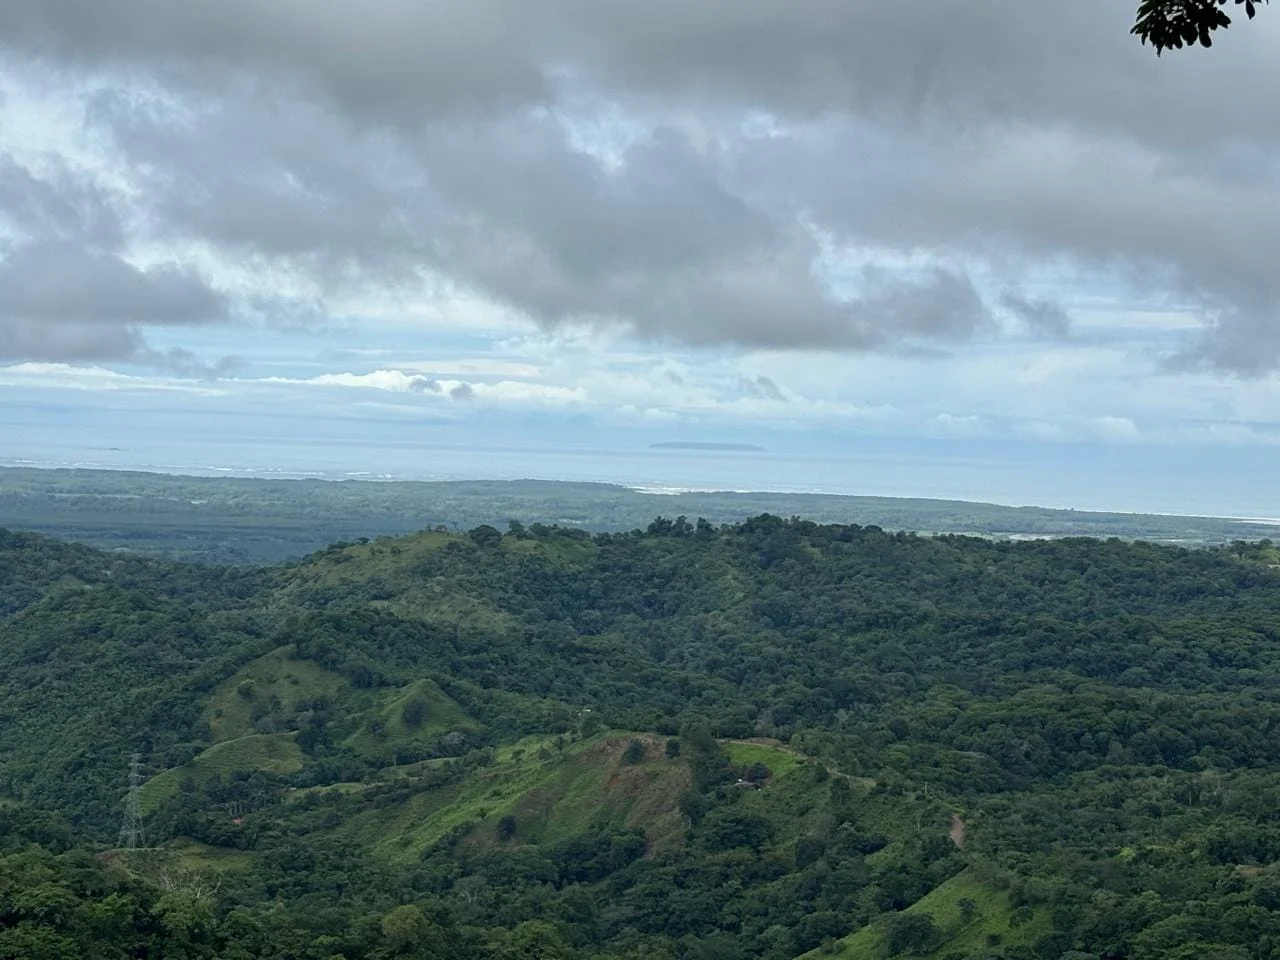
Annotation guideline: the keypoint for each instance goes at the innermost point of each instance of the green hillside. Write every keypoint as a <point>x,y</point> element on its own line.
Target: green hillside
<point>774,739</point>
<point>264,690</point>
<point>550,795</point>
<point>964,916</point>
<point>272,753</point>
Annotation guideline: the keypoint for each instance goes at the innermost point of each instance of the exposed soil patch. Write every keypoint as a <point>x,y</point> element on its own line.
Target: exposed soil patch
<point>957,831</point>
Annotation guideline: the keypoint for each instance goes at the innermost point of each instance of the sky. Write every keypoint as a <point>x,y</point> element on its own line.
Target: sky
<point>998,244</point>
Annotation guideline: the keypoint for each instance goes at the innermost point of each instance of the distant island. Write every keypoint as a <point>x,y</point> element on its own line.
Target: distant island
<point>688,445</point>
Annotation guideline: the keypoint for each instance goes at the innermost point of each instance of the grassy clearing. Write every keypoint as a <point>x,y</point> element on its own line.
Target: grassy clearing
<point>350,787</point>
<point>201,858</point>
<point>273,752</point>
<point>230,711</point>
<point>392,565</point>
<point>592,785</point>
<point>967,935</point>
<point>401,832</point>
<point>779,759</point>
<point>526,746</point>
<point>183,857</point>
<point>387,727</point>
<point>560,552</point>
<point>505,754</point>
<point>361,561</point>
<point>552,797</point>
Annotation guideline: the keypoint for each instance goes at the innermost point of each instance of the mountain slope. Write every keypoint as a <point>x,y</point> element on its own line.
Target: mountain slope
<point>800,716</point>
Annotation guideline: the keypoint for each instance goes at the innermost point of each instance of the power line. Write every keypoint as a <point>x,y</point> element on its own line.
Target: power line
<point>131,825</point>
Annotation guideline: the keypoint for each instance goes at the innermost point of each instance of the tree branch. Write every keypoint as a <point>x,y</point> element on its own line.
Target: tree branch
<point>1174,24</point>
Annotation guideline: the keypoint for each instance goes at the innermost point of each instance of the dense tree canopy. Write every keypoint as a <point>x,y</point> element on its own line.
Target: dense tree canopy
<point>686,741</point>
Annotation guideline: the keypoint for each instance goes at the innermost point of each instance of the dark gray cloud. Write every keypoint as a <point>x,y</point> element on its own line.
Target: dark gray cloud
<point>1044,318</point>
<point>62,282</point>
<point>1240,340</point>
<point>1028,201</point>
<point>59,205</point>
<point>660,242</point>
<point>1074,63</point>
<point>762,388</point>
<point>944,305</point>
<point>380,57</point>
<point>279,181</point>
<point>66,292</point>
<point>396,143</point>
<point>66,341</point>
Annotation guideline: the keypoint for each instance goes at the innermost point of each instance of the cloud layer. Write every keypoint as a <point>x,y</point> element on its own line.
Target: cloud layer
<point>67,289</point>
<point>840,175</point>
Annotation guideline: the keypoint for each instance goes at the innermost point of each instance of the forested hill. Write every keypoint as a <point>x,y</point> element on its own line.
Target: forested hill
<point>756,740</point>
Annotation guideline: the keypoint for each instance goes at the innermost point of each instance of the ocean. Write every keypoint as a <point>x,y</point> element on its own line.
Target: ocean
<point>1221,481</point>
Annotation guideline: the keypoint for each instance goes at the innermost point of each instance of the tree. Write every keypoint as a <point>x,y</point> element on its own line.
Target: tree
<point>910,933</point>
<point>809,850</point>
<point>1174,24</point>
<point>485,536</point>
<point>531,940</point>
<point>414,712</point>
<point>634,753</point>
<point>590,724</point>
<point>840,792</point>
<point>405,927</point>
<point>724,828</point>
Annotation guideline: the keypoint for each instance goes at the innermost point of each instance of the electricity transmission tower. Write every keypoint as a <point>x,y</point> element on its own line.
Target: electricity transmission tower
<point>131,825</point>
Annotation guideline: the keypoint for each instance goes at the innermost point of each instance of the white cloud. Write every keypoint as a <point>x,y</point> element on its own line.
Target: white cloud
<point>903,396</point>
<point>504,392</point>
<point>1116,428</point>
<point>63,376</point>
<point>961,426</point>
<point>471,366</point>
<point>394,381</point>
